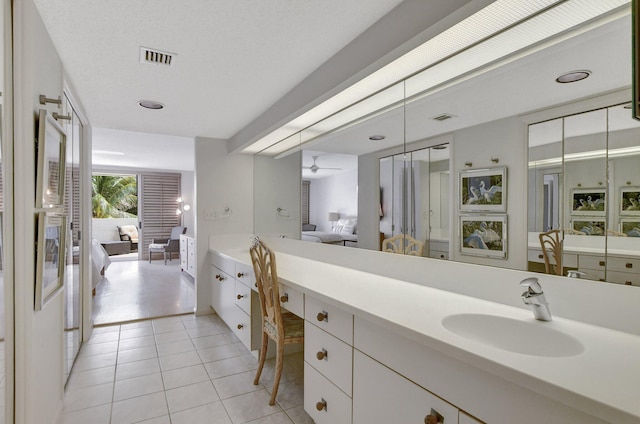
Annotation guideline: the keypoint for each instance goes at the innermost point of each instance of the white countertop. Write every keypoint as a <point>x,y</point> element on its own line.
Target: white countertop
<point>603,381</point>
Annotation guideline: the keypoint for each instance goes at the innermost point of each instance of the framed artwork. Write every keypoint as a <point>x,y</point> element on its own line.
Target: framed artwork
<point>50,261</point>
<point>630,227</point>
<point>588,201</point>
<point>51,162</point>
<point>483,190</point>
<point>630,201</point>
<point>484,235</point>
<point>589,225</point>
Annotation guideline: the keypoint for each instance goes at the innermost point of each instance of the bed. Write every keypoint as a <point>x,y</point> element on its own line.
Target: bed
<point>100,261</point>
<point>344,231</point>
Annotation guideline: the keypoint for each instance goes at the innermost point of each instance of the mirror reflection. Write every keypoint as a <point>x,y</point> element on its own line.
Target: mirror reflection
<point>583,192</point>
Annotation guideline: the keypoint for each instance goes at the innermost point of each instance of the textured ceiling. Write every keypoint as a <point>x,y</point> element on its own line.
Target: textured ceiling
<point>234,58</point>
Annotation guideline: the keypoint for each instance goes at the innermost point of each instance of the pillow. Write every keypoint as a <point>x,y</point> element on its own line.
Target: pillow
<point>348,229</point>
<point>336,229</point>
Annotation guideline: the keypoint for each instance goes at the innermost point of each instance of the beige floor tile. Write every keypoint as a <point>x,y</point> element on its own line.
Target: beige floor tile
<point>209,330</point>
<point>137,369</point>
<point>299,416</point>
<point>179,360</point>
<point>98,348</point>
<point>139,409</point>
<point>135,332</point>
<point>138,386</point>
<point>105,329</point>
<point>136,324</point>
<point>88,397</point>
<point>172,336</point>
<point>160,420</point>
<point>217,353</point>
<point>210,341</point>
<point>190,396</point>
<point>184,376</point>
<point>250,406</point>
<point>136,343</point>
<point>111,336</point>
<point>278,418</point>
<point>96,415</point>
<point>235,385</point>
<point>170,348</point>
<point>206,414</point>
<point>290,394</point>
<point>138,354</point>
<point>226,367</point>
<point>90,378</point>
<point>95,361</point>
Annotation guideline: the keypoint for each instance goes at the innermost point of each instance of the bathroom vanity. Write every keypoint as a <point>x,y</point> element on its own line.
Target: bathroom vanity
<point>382,348</point>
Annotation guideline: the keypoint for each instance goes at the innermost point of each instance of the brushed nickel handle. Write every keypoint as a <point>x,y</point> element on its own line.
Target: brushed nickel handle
<point>601,263</point>
<point>628,265</point>
<point>240,274</point>
<point>284,298</point>
<point>240,326</point>
<point>240,296</point>
<point>321,405</point>
<point>323,316</point>
<point>322,354</point>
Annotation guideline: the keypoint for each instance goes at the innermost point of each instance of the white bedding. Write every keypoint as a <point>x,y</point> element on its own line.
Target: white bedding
<point>321,237</point>
<point>100,261</point>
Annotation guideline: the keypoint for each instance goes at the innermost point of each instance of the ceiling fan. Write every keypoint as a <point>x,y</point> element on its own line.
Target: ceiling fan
<point>314,168</point>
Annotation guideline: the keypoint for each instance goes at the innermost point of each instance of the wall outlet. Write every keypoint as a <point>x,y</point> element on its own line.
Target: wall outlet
<point>209,214</point>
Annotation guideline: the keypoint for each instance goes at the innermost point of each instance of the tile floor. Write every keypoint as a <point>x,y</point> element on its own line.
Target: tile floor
<point>177,370</point>
<point>133,290</point>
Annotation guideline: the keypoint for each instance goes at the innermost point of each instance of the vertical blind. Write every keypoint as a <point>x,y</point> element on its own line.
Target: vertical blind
<point>158,194</point>
<point>304,201</point>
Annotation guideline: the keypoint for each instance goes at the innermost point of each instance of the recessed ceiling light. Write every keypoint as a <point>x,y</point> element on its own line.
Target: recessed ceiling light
<point>573,76</point>
<point>150,104</point>
<point>443,117</point>
<point>377,137</point>
<point>440,147</point>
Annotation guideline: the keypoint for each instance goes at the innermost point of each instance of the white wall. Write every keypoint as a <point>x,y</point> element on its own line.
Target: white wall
<point>337,193</point>
<point>222,181</point>
<point>38,335</point>
<point>505,139</point>
<point>277,186</point>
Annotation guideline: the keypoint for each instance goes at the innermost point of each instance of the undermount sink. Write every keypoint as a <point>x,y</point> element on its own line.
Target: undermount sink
<point>530,338</point>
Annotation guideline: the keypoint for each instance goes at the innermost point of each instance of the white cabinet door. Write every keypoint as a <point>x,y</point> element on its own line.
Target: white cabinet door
<point>381,395</point>
<point>467,419</point>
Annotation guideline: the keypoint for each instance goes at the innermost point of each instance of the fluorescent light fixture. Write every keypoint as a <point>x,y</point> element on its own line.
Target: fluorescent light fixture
<point>573,76</point>
<point>593,154</point>
<point>107,152</point>
<point>503,29</point>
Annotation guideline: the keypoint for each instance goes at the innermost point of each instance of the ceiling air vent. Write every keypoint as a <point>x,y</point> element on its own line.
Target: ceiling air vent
<point>155,56</point>
<point>443,117</point>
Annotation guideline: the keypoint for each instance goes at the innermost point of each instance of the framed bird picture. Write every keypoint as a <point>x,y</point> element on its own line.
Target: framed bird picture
<point>589,225</point>
<point>484,235</point>
<point>630,227</point>
<point>588,201</point>
<point>630,201</point>
<point>483,190</point>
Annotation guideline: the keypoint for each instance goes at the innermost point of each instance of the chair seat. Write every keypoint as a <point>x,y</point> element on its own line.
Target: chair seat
<point>157,246</point>
<point>293,326</point>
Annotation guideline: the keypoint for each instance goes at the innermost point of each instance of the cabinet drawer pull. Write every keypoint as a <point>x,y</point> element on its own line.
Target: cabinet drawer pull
<point>441,256</point>
<point>540,257</point>
<point>628,265</point>
<point>601,263</point>
<point>433,418</point>
<point>240,274</point>
<point>321,405</point>
<point>219,277</point>
<point>240,296</point>
<point>322,354</point>
<point>323,316</point>
<point>284,298</point>
<point>240,326</point>
<point>628,283</point>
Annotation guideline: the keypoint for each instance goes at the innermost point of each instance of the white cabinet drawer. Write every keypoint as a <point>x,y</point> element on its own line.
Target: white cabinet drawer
<point>243,297</point>
<point>569,260</point>
<point>224,263</point>
<point>464,418</point>
<point>331,319</point>
<point>292,300</point>
<point>244,273</point>
<point>323,401</point>
<point>622,264</point>
<point>592,274</point>
<point>381,395</point>
<point>240,324</point>
<point>592,262</point>
<point>438,254</point>
<point>331,357</point>
<point>626,278</point>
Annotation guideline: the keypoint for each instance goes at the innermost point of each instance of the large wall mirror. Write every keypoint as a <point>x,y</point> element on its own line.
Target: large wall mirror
<point>403,151</point>
<point>584,188</point>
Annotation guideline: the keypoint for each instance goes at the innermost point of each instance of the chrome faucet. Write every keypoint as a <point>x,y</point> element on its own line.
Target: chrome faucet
<point>534,296</point>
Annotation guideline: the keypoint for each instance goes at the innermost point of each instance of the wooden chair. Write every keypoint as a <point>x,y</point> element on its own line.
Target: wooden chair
<point>551,245</point>
<point>404,244</point>
<point>282,327</point>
